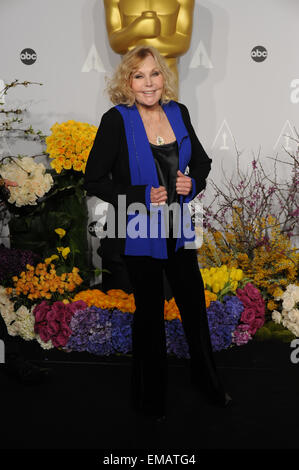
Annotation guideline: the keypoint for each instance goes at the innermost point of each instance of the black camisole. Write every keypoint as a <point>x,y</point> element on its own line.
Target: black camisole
<point>166,158</point>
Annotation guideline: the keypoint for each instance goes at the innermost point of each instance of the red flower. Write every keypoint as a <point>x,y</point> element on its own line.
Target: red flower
<point>254,307</point>
<point>52,321</point>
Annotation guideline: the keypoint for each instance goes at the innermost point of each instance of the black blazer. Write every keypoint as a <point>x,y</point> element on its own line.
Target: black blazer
<point>107,172</point>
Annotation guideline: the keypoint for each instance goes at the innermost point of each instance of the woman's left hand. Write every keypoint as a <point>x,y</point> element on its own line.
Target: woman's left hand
<point>183,184</point>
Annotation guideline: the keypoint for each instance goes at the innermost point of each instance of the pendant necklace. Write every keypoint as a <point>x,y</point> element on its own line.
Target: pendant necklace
<point>159,140</point>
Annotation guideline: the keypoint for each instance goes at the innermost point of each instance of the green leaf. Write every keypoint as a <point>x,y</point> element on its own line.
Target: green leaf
<point>263,334</point>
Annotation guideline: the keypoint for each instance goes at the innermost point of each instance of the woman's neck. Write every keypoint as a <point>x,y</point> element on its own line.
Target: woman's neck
<point>150,112</point>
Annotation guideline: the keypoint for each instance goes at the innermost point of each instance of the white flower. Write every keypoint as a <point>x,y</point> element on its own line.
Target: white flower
<point>25,323</point>
<point>288,302</point>
<point>33,181</point>
<point>44,345</point>
<point>294,315</point>
<point>293,290</point>
<point>276,316</point>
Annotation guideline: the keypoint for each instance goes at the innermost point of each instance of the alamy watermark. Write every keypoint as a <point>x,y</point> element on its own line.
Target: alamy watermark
<point>295,353</point>
<point>144,223</point>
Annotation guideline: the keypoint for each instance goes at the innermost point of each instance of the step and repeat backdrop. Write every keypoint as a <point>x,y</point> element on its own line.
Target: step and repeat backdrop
<point>239,78</point>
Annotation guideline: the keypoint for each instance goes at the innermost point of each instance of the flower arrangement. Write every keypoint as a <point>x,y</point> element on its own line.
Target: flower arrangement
<point>32,179</point>
<point>250,224</point>
<point>42,282</point>
<point>222,280</point>
<point>19,322</point>
<point>115,298</point>
<point>271,266</point>
<point>52,321</point>
<point>223,318</point>
<point>253,315</point>
<point>70,144</point>
<point>100,331</point>
<point>289,315</point>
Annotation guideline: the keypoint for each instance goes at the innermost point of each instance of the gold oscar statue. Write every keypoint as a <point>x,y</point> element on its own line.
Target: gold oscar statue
<point>164,24</point>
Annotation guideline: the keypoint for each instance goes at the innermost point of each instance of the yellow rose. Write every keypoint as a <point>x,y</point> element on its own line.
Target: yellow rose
<point>67,165</point>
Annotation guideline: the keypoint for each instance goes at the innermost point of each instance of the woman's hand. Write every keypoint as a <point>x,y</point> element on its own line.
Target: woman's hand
<point>9,183</point>
<point>158,195</point>
<point>183,184</point>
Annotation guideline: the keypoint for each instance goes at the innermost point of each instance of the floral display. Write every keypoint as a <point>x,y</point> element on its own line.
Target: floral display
<point>32,179</point>
<point>100,331</point>
<point>253,314</point>
<point>222,280</point>
<point>42,282</point>
<point>69,145</point>
<point>289,315</point>
<point>52,321</point>
<point>20,322</point>
<point>223,318</point>
<point>13,261</point>
<point>115,298</point>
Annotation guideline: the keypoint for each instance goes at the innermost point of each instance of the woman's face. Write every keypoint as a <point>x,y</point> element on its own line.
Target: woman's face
<point>147,82</point>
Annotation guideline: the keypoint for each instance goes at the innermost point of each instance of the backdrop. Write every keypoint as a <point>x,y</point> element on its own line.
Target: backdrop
<point>239,79</point>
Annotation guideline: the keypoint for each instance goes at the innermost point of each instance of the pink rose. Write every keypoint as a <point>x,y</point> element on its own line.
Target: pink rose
<point>44,333</point>
<point>252,292</point>
<point>248,315</point>
<point>59,340</point>
<point>53,327</point>
<point>257,323</point>
<point>40,311</point>
<point>68,315</point>
<point>52,316</point>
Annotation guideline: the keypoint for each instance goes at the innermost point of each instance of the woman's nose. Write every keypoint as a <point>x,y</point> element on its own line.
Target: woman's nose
<point>148,81</point>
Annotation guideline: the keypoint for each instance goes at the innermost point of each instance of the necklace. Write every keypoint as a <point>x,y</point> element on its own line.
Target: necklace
<point>159,140</point>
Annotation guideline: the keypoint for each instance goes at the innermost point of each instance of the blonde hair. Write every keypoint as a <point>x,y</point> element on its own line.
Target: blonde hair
<point>119,86</point>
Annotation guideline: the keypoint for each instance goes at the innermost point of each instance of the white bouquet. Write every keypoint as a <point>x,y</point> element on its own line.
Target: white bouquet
<point>32,179</point>
<point>289,317</point>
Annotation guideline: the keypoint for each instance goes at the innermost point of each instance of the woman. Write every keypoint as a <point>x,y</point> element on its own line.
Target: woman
<point>146,142</point>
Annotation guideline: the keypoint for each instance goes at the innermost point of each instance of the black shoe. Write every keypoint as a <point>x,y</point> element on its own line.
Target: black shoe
<point>223,401</point>
<point>25,372</point>
<point>157,414</point>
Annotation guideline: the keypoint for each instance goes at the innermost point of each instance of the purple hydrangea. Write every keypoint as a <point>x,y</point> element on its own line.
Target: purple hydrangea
<point>223,318</point>
<point>105,332</point>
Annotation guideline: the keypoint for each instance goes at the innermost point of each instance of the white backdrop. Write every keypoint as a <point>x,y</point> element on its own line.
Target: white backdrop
<point>229,95</point>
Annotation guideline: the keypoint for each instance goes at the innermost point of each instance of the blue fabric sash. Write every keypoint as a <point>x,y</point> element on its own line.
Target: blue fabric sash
<point>143,172</point>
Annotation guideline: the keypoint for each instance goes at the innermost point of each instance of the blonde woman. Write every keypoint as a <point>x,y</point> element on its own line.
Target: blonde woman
<point>141,151</point>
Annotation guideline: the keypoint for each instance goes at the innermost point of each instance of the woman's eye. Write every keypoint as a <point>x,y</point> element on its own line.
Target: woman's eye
<point>137,76</point>
<point>156,73</point>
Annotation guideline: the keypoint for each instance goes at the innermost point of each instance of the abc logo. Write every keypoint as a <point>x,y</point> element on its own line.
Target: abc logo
<point>28,56</point>
<point>259,53</point>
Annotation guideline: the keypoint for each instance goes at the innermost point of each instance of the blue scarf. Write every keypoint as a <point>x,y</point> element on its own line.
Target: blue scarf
<point>143,172</point>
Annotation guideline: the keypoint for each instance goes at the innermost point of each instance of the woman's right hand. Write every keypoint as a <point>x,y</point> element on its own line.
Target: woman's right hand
<point>158,195</point>
<point>9,183</point>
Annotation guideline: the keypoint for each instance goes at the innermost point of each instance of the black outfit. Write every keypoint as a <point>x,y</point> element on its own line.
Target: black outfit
<point>107,172</point>
<point>149,363</point>
<point>167,164</point>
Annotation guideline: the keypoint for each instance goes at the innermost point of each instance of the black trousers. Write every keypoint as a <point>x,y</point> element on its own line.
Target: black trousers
<point>149,357</point>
